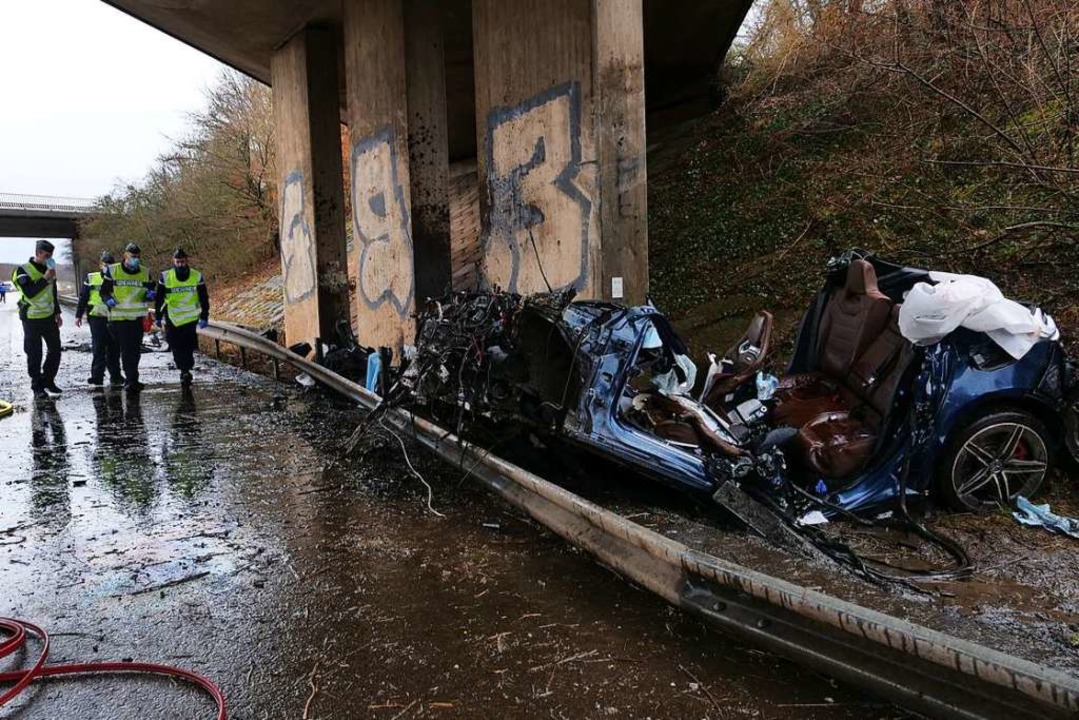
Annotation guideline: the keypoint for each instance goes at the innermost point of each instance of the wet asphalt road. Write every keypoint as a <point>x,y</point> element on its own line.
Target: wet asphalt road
<point>223,530</point>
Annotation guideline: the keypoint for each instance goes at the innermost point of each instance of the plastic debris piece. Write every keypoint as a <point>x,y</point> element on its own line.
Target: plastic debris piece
<point>306,380</point>
<point>374,369</point>
<point>766,386</point>
<point>748,413</point>
<point>714,370</point>
<point>1031,515</point>
<point>821,488</point>
<point>813,517</point>
<point>669,382</point>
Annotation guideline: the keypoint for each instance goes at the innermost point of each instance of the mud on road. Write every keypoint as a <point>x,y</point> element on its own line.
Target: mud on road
<point>224,531</point>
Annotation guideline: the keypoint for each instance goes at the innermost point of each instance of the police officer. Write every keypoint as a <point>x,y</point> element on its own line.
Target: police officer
<point>39,310</point>
<point>181,291</point>
<point>106,351</point>
<point>127,291</point>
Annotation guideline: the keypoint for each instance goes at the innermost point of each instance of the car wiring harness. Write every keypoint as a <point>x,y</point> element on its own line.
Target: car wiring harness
<point>842,553</point>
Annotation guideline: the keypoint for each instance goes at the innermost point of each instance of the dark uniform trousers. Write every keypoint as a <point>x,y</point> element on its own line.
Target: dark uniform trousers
<point>128,334</point>
<point>34,333</point>
<point>182,340</point>
<point>105,349</point>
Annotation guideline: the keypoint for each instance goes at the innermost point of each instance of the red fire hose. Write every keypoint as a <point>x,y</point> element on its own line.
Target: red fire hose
<point>18,631</point>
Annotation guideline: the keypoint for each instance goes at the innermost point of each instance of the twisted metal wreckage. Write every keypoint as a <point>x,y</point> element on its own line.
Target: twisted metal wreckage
<point>864,421</point>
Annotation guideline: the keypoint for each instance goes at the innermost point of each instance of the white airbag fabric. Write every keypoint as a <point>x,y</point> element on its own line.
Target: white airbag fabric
<point>668,382</point>
<point>931,312</point>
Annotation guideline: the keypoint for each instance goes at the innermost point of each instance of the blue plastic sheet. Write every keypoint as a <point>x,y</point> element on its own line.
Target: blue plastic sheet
<point>1027,513</point>
<point>374,370</point>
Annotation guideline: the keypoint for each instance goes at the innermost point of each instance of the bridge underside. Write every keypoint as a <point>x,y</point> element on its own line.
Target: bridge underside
<point>547,96</point>
<point>38,227</point>
<point>683,41</point>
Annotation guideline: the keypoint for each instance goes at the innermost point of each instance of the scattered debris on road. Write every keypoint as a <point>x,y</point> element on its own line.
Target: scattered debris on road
<point>1031,515</point>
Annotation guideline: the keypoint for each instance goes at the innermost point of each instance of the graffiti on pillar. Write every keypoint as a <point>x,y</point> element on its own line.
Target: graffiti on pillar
<point>297,241</point>
<point>381,222</point>
<point>537,234</point>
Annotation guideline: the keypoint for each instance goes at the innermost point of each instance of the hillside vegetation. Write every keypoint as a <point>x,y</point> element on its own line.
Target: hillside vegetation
<point>214,194</point>
<point>940,133</point>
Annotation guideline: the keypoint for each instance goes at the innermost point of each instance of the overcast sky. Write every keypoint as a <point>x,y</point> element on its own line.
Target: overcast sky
<point>89,97</point>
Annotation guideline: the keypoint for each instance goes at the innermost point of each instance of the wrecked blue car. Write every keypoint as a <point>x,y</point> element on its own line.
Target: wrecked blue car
<point>878,402</point>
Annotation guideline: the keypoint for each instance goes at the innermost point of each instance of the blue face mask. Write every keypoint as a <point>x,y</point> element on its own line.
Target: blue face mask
<point>50,264</point>
<point>132,263</point>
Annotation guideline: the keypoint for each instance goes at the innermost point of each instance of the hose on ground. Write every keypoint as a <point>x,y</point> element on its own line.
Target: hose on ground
<point>18,632</point>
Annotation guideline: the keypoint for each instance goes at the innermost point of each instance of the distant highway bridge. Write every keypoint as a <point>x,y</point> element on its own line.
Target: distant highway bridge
<point>42,216</point>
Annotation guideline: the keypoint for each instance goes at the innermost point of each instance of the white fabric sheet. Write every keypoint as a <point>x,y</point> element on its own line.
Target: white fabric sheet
<point>930,312</point>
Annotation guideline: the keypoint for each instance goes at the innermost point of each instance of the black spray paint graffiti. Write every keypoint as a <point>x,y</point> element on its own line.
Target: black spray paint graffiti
<point>297,242</point>
<point>537,234</point>
<point>381,223</point>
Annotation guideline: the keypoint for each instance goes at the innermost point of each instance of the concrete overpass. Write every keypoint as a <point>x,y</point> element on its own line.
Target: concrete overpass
<point>549,97</point>
<point>41,216</point>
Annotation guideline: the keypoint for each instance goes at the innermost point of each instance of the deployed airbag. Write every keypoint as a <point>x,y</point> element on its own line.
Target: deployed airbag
<point>931,311</point>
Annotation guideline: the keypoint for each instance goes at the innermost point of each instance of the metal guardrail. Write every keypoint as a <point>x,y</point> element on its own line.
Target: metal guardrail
<point>908,664</point>
<point>44,203</point>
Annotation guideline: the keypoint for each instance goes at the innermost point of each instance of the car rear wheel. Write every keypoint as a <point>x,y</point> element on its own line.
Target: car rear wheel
<point>993,460</point>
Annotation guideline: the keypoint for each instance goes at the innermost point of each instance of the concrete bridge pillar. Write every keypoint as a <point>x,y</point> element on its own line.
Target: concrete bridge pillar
<point>561,144</point>
<point>561,134</point>
<point>378,118</point>
<point>77,268</point>
<point>308,132</point>
<point>428,145</point>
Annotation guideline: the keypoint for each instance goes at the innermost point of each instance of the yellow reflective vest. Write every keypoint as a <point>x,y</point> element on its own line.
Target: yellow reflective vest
<point>129,292</point>
<point>42,305</point>
<point>95,301</point>
<point>182,297</point>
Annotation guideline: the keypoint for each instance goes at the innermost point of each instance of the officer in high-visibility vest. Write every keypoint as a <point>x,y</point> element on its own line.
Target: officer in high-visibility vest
<point>39,310</point>
<point>105,349</point>
<point>181,293</point>
<point>127,291</point>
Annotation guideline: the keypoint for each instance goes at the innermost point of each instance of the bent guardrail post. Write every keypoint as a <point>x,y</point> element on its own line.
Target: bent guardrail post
<point>908,664</point>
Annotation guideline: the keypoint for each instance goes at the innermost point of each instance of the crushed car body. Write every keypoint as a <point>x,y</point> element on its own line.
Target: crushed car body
<point>864,417</point>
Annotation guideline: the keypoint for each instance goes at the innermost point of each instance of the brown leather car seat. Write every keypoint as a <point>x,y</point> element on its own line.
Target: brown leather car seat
<point>876,374</point>
<point>852,320</point>
<point>743,359</point>
<point>681,420</point>
<point>839,443</point>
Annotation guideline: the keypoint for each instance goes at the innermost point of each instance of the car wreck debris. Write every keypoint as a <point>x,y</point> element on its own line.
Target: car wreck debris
<point>863,421</point>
